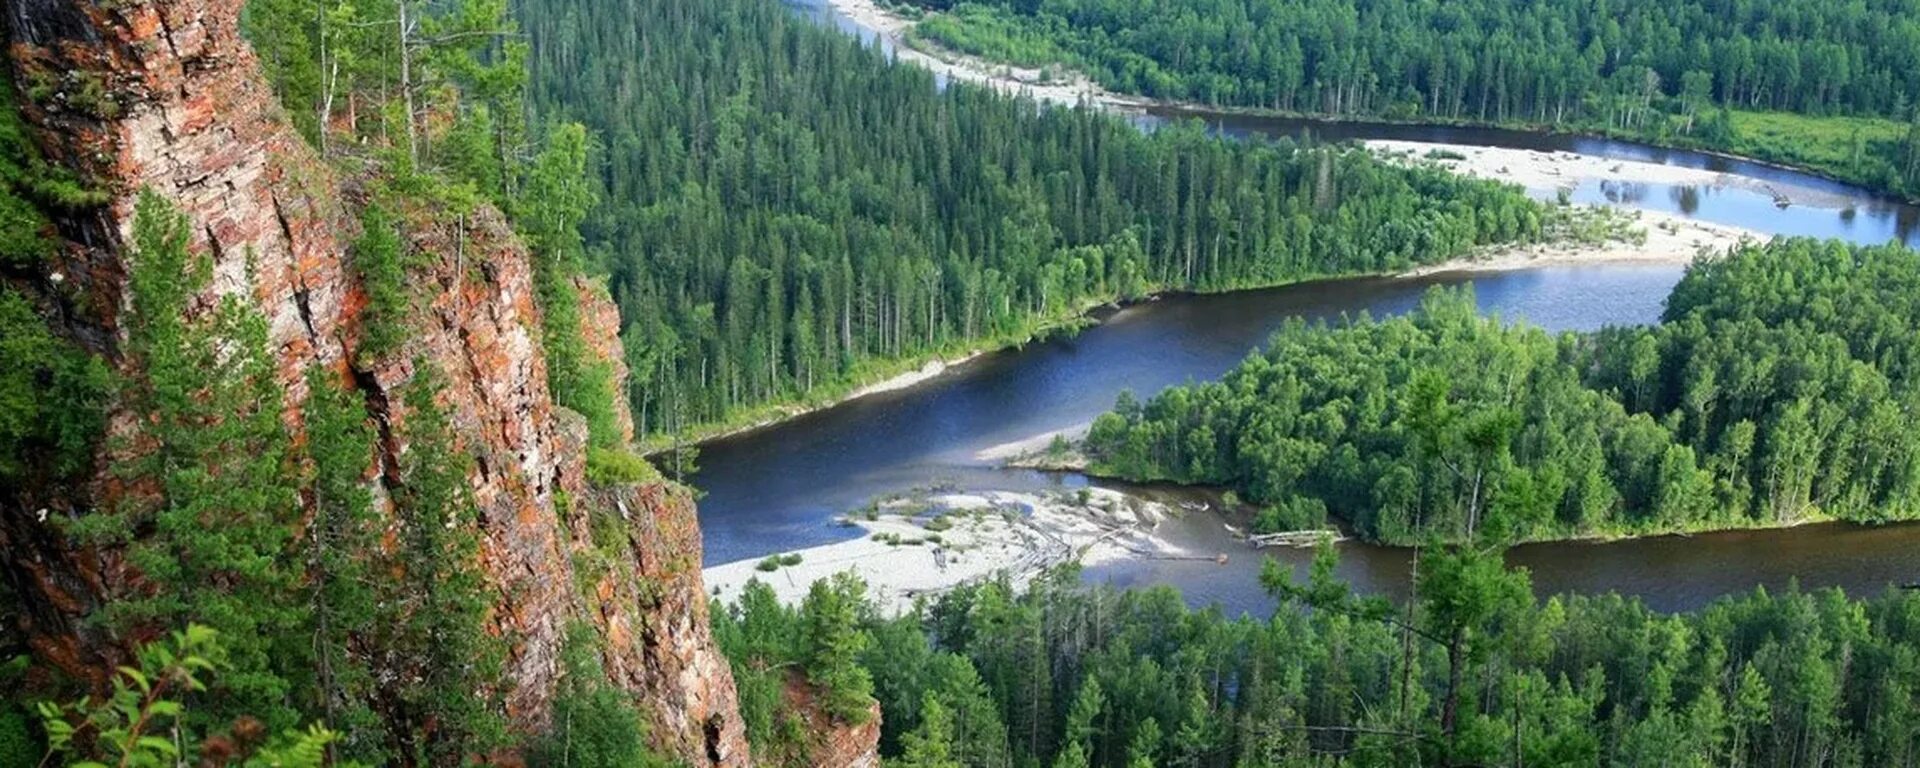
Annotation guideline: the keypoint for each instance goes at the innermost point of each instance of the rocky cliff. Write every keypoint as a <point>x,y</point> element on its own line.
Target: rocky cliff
<point>165,95</point>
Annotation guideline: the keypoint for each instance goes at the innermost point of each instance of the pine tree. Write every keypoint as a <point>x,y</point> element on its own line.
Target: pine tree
<point>212,503</point>
<point>931,744</point>
<point>1143,751</point>
<point>447,660</point>
<point>343,542</point>
<point>834,642</point>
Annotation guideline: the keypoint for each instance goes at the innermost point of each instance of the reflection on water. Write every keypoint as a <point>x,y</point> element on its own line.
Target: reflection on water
<point>1820,207</point>
<point>1687,199</point>
<point>776,489</point>
<point>1670,573</point>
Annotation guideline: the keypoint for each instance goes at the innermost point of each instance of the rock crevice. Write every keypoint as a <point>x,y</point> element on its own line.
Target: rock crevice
<point>164,95</point>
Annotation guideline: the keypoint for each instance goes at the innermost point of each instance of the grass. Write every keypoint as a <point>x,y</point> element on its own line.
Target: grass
<point>616,467</point>
<point>991,33</point>
<point>1858,149</point>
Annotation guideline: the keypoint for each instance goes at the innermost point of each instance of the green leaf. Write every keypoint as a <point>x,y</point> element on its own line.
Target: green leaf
<point>159,744</point>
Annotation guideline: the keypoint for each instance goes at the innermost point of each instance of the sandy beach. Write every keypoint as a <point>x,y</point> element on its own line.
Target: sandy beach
<point>932,369</point>
<point>1013,450</point>
<point>1544,173</point>
<point>1658,237</point>
<point>1668,239</point>
<point>927,543</point>
<point>1065,87</point>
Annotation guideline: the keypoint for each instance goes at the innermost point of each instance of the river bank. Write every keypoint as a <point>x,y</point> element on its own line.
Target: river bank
<point>1060,84</point>
<point>1655,236</point>
<point>917,371</point>
<point>924,543</point>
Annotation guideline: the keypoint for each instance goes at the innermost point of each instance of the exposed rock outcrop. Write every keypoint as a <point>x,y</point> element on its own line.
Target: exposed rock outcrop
<point>829,742</point>
<point>165,95</point>
<point>600,327</point>
<point>652,609</point>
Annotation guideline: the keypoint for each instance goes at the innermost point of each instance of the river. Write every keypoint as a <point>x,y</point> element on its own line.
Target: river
<point>777,489</point>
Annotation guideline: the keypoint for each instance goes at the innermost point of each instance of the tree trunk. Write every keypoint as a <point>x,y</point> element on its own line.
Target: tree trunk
<point>406,85</point>
<point>1450,710</point>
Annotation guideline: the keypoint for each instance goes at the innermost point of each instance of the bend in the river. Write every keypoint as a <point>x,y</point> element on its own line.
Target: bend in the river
<point>777,489</point>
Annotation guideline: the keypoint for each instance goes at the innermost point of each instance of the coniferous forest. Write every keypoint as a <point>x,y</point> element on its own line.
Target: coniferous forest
<point>1777,390</point>
<point>780,215</point>
<point>1475,671</point>
<point>1828,85</point>
<point>781,210</point>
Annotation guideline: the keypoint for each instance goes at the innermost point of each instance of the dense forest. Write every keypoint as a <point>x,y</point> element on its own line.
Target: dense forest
<point>300,612</point>
<point>427,99</point>
<point>1777,390</point>
<point>783,211</point>
<point>1694,72</point>
<point>1475,671</point>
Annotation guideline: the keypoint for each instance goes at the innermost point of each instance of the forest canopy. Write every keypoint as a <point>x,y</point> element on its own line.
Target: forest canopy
<point>1476,672</point>
<point>780,221</point>
<point>1692,72</point>
<point>1778,389</point>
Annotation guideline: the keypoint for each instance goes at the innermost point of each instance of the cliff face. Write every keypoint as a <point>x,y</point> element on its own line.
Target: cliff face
<point>165,95</point>
<point>831,743</point>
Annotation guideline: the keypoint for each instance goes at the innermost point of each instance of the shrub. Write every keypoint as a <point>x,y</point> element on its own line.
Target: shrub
<point>594,725</point>
<point>612,466</point>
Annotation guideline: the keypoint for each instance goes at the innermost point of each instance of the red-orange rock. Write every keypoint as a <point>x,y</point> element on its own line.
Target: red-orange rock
<point>831,743</point>
<point>189,116</point>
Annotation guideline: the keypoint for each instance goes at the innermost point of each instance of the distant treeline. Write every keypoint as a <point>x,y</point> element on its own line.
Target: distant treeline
<point>783,212</point>
<point>1780,387</point>
<point>1475,672</point>
<point>1654,68</point>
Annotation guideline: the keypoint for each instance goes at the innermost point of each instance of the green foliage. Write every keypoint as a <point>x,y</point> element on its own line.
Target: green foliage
<point>774,235</point>
<point>1643,68</point>
<point>440,637</point>
<point>556,200</point>
<point>52,397</point>
<point>210,524</point>
<point>619,467</point>
<point>775,562</point>
<point>343,541</point>
<point>1770,395</point>
<point>19,746</point>
<point>142,723</point>
<point>594,724</point>
<point>931,744</point>
<point>834,641</point>
<point>387,73</point>
<point>1475,672</point>
<point>379,258</point>
<point>992,33</point>
<point>29,188</point>
<point>759,637</point>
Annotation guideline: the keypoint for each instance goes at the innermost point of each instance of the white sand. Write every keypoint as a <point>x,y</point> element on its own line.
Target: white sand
<point>1025,446</point>
<point>1668,238</point>
<point>1547,172</point>
<point>988,533</point>
<point>932,369</point>
<point>1066,87</point>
